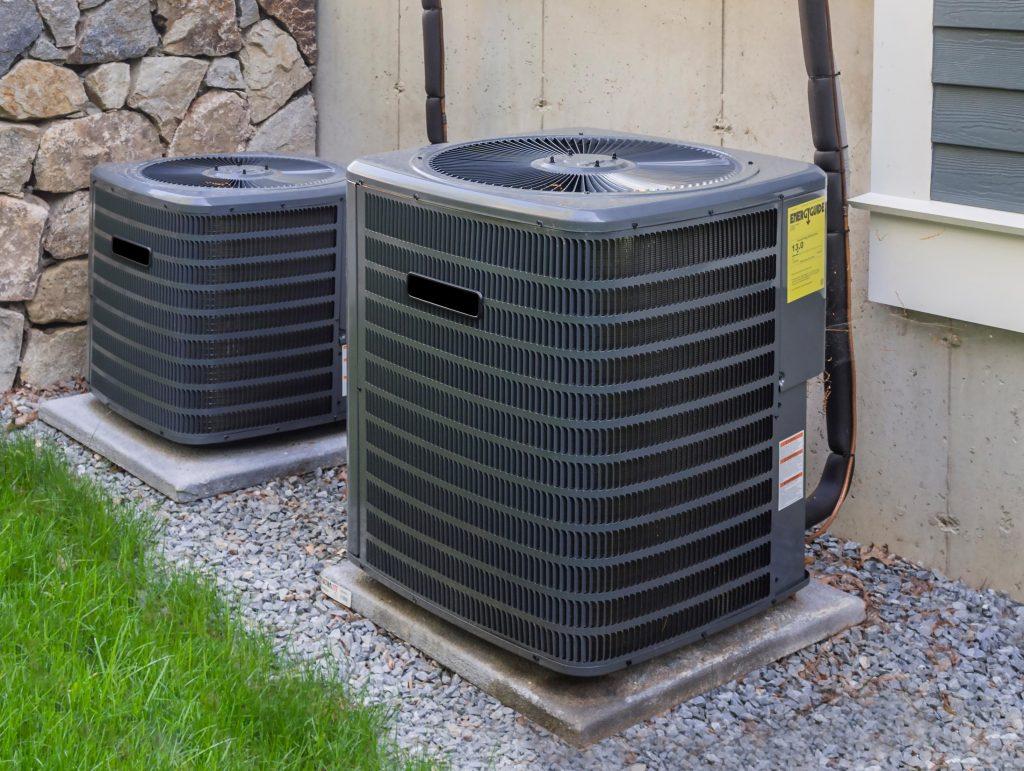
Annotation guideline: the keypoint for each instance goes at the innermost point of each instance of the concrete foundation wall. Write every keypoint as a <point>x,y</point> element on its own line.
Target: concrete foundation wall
<point>940,462</point>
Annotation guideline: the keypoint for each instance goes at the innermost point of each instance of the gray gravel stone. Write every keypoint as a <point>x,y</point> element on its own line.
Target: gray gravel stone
<point>879,695</point>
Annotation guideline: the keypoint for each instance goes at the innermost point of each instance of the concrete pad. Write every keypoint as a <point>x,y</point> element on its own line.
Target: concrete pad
<point>583,711</point>
<point>184,473</point>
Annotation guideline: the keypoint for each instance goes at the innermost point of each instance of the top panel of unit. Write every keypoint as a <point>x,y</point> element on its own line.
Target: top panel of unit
<point>225,179</point>
<point>588,164</point>
<point>587,178</point>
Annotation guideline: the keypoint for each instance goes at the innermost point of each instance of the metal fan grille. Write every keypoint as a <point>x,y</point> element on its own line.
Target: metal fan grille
<point>239,172</point>
<point>586,164</point>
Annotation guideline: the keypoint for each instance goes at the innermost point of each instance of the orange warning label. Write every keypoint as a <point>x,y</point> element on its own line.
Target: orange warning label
<point>791,470</point>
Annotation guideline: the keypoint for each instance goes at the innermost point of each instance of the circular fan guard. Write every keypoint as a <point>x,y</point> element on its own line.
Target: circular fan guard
<point>586,164</point>
<point>249,172</point>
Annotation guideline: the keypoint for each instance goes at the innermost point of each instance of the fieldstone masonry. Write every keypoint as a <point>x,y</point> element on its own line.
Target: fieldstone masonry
<point>18,145</point>
<point>114,31</point>
<point>200,27</point>
<point>163,87</point>
<point>61,17</point>
<point>37,90</point>
<point>88,81</point>
<point>69,149</point>
<point>108,84</point>
<point>272,67</point>
<point>20,25</point>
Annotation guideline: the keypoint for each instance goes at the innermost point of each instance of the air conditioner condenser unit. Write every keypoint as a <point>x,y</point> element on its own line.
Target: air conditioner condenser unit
<point>577,386</point>
<point>217,294</point>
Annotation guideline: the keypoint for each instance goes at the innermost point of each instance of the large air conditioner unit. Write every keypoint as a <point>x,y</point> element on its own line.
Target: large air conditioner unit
<point>578,386</point>
<point>217,294</point>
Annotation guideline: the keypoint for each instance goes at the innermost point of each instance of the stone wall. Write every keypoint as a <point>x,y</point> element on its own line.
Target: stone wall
<point>88,81</point>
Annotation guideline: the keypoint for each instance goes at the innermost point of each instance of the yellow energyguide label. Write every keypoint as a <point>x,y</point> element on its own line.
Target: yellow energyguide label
<point>805,266</point>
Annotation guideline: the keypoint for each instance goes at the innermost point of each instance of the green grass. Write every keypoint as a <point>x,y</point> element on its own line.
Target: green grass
<point>110,660</point>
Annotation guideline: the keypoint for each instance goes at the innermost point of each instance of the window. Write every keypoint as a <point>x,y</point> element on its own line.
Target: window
<point>947,175</point>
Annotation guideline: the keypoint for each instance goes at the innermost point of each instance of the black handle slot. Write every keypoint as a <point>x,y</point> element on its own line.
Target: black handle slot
<point>457,299</point>
<point>128,251</point>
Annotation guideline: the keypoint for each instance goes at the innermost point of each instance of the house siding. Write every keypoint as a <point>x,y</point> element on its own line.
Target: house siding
<point>978,109</point>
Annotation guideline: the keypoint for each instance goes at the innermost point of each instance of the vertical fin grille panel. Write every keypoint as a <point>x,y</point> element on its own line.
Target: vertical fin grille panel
<point>231,328</point>
<point>585,471</point>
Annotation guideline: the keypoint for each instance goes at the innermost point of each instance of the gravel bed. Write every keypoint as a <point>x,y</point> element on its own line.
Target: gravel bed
<point>933,679</point>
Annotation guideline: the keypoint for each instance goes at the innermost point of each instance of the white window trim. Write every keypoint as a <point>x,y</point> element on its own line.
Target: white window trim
<point>958,261</point>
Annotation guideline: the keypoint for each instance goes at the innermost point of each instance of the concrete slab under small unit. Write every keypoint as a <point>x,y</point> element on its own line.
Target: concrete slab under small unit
<point>185,473</point>
<point>583,711</point>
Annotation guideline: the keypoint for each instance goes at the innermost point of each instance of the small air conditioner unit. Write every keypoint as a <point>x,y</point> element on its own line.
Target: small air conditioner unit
<point>577,386</point>
<point>217,294</point>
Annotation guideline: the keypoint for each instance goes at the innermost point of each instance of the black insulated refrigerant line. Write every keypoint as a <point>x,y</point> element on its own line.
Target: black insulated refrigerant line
<point>433,62</point>
<point>828,132</point>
